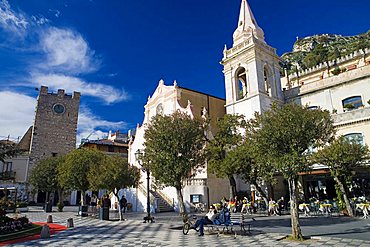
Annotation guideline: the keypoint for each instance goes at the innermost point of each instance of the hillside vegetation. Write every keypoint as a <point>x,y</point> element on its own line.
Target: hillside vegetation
<point>313,50</point>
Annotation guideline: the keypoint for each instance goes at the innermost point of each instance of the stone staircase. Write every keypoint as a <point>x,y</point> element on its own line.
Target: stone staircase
<point>163,205</point>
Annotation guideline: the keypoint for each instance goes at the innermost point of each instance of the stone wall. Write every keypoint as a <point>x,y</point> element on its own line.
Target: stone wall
<point>54,133</point>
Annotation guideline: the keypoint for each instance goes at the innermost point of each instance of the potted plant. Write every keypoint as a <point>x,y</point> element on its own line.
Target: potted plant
<point>336,71</point>
<point>349,107</point>
<point>335,111</point>
<point>368,102</point>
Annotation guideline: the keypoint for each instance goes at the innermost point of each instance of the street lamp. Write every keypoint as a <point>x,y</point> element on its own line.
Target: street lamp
<point>138,157</point>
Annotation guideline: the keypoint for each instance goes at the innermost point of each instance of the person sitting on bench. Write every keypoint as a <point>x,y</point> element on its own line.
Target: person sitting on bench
<point>207,220</point>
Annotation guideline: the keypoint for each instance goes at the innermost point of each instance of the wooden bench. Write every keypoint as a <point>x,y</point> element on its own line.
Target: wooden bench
<point>236,220</point>
<point>240,219</point>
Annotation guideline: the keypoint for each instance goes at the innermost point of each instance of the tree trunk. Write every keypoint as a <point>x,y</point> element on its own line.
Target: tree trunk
<point>60,196</point>
<point>181,202</point>
<point>344,190</point>
<point>262,193</point>
<point>83,198</point>
<point>296,228</point>
<point>232,186</point>
<point>328,67</point>
<point>119,206</point>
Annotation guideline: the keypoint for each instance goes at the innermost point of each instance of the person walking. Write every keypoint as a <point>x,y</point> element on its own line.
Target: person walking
<point>123,204</point>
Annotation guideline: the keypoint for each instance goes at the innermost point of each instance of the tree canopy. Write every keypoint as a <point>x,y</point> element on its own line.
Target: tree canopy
<point>227,138</point>
<point>284,136</point>
<point>44,175</point>
<point>342,157</point>
<point>173,148</point>
<point>8,150</point>
<point>73,173</point>
<point>113,173</point>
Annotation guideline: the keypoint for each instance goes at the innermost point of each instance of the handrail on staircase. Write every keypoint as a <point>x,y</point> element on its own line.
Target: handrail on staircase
<point>166,198</point>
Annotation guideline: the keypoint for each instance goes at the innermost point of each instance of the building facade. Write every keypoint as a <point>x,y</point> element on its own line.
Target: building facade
<point>347,96</point>
<point>204,187</point>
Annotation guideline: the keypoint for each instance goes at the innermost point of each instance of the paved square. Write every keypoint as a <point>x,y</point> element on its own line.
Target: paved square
<point>166,231</point>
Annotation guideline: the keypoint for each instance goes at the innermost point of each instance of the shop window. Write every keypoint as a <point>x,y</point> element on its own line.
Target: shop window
<point>195,198</point>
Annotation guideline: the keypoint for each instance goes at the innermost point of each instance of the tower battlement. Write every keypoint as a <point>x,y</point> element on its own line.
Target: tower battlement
<point>44,90</point>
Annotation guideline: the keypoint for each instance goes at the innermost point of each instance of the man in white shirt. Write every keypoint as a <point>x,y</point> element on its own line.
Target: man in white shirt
<point>207,220</point>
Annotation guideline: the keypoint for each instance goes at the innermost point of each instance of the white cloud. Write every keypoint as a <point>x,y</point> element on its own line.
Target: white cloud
<point>106,93</point>
<point>16,111</point>
<point>40,19</point>
<point>55,12</point>
<point>91,126</point>
<point>10,20</point>
<point>67,51</point>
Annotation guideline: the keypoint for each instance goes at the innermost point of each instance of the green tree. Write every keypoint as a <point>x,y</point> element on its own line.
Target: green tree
<point>284,135</point>
<point>74,171</point>
<point>311,60</point>
<point>363,43</point>
<point>225,140</point>
<point>342,156</point>
<point>297,63</point>
<point>44,176</point>
<point>252,167</point>
<point>323,55</point>
<point>8,150</point>
<point>173,148</point>
<point>113,173</point>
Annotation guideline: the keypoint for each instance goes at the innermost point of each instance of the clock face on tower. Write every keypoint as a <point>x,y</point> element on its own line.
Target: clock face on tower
<point>58,108</point>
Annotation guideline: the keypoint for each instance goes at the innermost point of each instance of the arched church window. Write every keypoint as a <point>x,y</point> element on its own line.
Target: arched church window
<point>267,80</point>
<point>241,77</point>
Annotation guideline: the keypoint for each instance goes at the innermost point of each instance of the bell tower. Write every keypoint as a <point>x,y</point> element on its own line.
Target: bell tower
<point>251,69</point>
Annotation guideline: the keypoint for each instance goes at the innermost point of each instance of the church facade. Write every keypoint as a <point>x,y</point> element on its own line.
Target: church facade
<point>204,187</point>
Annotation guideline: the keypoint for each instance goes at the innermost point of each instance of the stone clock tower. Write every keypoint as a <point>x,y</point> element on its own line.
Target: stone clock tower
<point>55,126</point>
<point>251,69</point>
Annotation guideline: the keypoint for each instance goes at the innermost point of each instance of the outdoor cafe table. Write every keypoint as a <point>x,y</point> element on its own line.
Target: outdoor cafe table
<point>304,207</point>
<point>365,209</point>
<point>325,208</point>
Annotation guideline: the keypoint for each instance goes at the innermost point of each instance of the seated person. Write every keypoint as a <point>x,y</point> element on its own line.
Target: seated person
<point>246,205</point>
<point>232,205</point>
<point>207,220</point>
<point>272,207</point>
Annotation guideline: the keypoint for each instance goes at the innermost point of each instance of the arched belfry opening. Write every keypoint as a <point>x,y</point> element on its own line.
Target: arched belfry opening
<point>268,80</point>
<point>241,79</point>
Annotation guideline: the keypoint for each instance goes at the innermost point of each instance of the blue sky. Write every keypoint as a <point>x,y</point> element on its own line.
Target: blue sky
<point>115,52</point>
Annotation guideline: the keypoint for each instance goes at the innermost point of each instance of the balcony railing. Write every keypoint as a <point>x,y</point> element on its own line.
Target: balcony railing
<point>351,116</point>
<point>7,175</point>
<point>196,181</point>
